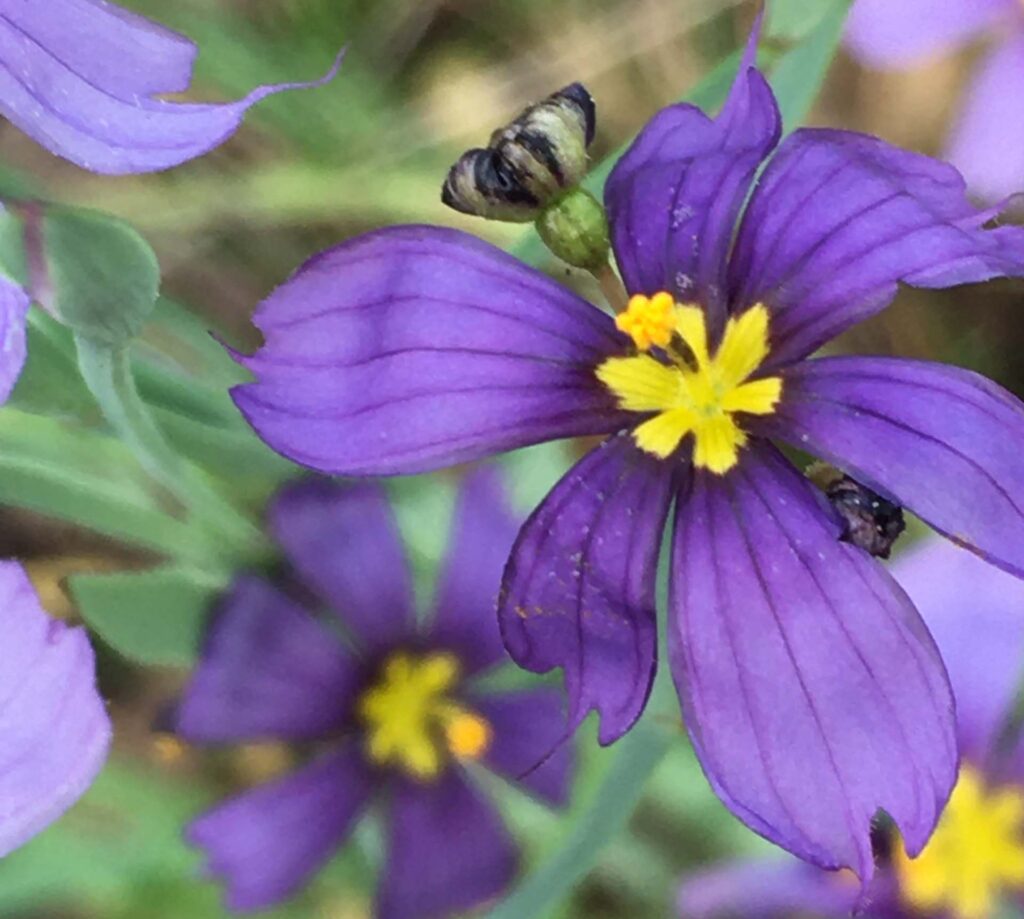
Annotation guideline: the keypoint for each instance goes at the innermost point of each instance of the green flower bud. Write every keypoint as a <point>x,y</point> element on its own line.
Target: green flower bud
<point>528,163</point>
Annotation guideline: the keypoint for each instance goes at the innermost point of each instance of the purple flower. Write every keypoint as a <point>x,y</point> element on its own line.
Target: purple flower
<point>81,77</point>
<point>812,691</point>
<point>54,729</point>
<point>399,706</point>
<point>987,140</point>
<point>977,853</point>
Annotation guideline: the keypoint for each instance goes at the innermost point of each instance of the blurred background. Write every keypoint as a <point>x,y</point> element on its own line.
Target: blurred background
<point>422,82</point>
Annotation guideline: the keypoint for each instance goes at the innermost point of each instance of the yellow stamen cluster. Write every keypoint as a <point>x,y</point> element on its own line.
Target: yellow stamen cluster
<point>696,394</point>
<point>974,857</point>
<point>411,721</point>
<point>649,320</point>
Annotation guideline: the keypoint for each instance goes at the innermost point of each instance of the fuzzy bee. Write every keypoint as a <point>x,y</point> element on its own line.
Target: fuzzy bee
<point>527,163</point>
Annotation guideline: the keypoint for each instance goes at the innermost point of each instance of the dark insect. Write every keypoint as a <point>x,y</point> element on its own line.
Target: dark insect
<point>869,521</point>
<point>527,163</point>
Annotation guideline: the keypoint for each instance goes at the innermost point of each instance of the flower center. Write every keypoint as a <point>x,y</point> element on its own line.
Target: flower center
<point>975,854</point>
<point>411,720</point>
<point>697,394</point>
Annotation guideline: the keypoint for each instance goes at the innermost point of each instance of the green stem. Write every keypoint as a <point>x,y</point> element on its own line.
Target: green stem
<point>108,374</point>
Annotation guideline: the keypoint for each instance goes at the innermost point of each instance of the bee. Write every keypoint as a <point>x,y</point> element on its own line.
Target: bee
<point>528,162</point>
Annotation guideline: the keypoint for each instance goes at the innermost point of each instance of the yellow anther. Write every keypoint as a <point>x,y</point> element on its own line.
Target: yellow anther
<point>468,735</point>
<point>701,399</point>
<point>975,856</point>
<point>648,320</point>
<point>411,721</point>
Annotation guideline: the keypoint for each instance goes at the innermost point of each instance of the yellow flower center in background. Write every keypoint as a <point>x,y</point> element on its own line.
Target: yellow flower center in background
<point>698,394</point>
<point>411,721</point>
<point>975,855</point>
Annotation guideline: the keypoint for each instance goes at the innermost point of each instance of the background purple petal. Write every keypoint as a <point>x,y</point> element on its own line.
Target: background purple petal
<point>54,728</point>
<point>900,33</point>
<point>344,543</point>
<point>269,669</point>
<point>266,843</point>
<point>811,689</point>
<point>80,76</point>
<point>766,890</point>
<point>837,219</point>
<point>413,347</point>
<point>482,533</point>
<point>14,303</point>
<point>674,196</point>
<point>976,613</point>
<point>579,588</point>
<point>528,726</point>
<point>942,441</point>
<point>446,851</point>
<point>987,143</point>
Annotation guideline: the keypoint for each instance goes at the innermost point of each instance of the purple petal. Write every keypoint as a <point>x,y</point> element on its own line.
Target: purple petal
<point>344,543</point>
<point>976,613</point>
<point>527,728</point>
<point>579,588</point>
<point>837,219</point>
<point>943,441</point>
<point>269,670</point>
<point>413,348</point>
<point>482,533</point>
<point>766,890</point>
<point>14,305</point>
<point>447,851</point>
<point>987,143</point>
<point>674,196</point>
<point>812,691</point>
<point>81,76</point>
<point>266,843</point>
<point>54,729</point>
<point>899,33</point>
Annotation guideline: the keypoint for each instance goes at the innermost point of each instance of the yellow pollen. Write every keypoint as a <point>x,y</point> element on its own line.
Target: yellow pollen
<point>697,394</point>
<point>975,855</point>
<point>411,721</point>
<point>648,320</point>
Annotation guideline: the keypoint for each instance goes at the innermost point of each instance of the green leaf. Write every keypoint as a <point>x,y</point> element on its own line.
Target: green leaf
<point>108,372</point>
<point>792,20</point>
<point>154,617</point>
<point>84,478</point>
<point>636,757</point>
<point>799,73</point>
<point>12,247</point>
<point>104,275</point>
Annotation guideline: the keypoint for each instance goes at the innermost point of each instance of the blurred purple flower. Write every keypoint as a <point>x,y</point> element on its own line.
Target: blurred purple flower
<point>14,303</point>
<point>987,140</point>
<point>54,729</point>
<point>399,706</point>
<point>977,854</point>
<point>80,77</point>
<point>812,691</point>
